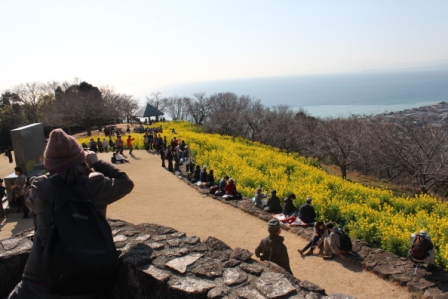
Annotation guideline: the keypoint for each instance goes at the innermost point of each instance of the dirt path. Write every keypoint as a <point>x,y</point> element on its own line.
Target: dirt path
<point>160,197</point>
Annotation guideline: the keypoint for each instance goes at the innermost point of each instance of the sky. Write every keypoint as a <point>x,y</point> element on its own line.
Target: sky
<point>140,46</point>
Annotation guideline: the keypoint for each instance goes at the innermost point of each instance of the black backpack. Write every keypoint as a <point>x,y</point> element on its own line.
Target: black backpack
<point>266,255</point>
<point>80,256</point>
<point>346,242</point>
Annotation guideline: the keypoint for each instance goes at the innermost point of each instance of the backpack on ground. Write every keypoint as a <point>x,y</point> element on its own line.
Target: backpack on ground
<point>418,250</point>
<point>346,242</point>
<point>80,256</point>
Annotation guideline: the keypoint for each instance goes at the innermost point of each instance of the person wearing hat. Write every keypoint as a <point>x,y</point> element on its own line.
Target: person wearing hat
<point>273,204</point>
<point>307,213</point>
<point>288,206</point>
<point>272,248</point>
<point>423,240</point>
<point>65,157</point>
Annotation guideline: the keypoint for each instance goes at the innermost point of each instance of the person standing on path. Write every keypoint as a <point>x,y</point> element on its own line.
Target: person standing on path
<point>18,187</point>
<point>129,144</point>
<point>272,248</point>
<point>8,153</point>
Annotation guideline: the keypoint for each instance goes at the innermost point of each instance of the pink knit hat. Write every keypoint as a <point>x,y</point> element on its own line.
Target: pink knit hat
<point>62,150</point>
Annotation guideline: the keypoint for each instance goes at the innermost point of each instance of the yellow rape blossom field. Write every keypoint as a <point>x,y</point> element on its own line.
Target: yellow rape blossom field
<point>371,214</point>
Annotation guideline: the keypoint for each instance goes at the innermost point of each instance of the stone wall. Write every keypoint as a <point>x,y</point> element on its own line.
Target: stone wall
<point>384,264</point>
<point>160,262</point>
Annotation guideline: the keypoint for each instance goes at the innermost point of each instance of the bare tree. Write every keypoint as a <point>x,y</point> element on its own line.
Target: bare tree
<point>197,110</point>
<point>337,141</point>
<point>176,107</point>
<point>157,101</point>
<point>29,95</point>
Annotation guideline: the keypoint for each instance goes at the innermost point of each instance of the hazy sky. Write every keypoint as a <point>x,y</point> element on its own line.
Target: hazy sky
<point>136,46</point>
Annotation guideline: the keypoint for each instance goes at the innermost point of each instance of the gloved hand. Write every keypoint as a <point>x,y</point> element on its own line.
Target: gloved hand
<point>91,158</point>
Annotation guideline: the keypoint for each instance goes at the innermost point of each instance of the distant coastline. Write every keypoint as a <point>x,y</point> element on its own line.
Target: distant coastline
<point>334,95</point>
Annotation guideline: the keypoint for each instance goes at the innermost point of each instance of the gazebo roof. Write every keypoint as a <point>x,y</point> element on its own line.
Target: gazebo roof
<point>148,111</point>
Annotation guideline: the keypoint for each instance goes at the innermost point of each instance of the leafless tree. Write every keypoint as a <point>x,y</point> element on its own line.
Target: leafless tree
<point>337,141</point>
<point>176,107</point>
<point>29,96</point>
<point>157,101</point>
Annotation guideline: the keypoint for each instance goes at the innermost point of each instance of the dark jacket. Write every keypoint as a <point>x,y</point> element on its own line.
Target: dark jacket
<point>203,176</point>
<point>279,253</point>
<point>307,213</point>
<point>288,207</point>
<point>105,185</point>
<point>274,205</point>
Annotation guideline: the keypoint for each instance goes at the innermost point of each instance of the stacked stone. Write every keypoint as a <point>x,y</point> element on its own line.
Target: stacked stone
<point>386,265</point>
<point>160,262</point>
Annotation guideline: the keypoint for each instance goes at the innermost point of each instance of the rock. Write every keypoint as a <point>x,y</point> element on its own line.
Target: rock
<point>191,240</point>
<point>180,264</point>
<point>247,293</point>
<point>274,285</point>
<point>142,238</point>
<point>155,229</point>
<point>234,276</point>
<point>156,273</point>
<point>311,287</point>
<point>434,293</point>
<point>155,245</point>
<point>220,255</point>
<point>401,279</point>
<point>384,271</point>
<point>130,233</point>
<point>216,244</point>
<point>200,247</point>
<point>9,244</point>
<point>115,231</point>
<point>174,242</point>
<point>178,235</point>
<point>251,268</point>
<point>159,238</point>
<point>218,292</point>
<point>176,252</point>
<point>120,238</point>
<point>419,285</point>
<point>208,267</point>
<point>137,255</point>
<point>231,263</point>
<point>191,285</point>
<point>241,254</point>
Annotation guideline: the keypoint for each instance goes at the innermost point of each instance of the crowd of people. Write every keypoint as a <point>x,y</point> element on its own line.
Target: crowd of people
<point>68,159</point>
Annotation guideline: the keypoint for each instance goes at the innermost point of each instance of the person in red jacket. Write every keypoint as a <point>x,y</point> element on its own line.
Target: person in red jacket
<point>230,187</point>
<point>129,144</point>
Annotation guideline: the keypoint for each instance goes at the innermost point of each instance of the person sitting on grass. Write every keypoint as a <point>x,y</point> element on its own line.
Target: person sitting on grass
<point>230,187</point>
<point>211,178</point>
<point>272,248</point>
<point>223,183</point>
<point>258,198</point>
<point>306,212</point>
<point>320,233</point>
<point>203,175</point>
<point>273,205</point>
<point>288,206</point>
<point>197,174</point>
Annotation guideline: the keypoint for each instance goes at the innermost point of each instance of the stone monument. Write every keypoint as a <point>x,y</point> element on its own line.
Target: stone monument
<point>28,144</point>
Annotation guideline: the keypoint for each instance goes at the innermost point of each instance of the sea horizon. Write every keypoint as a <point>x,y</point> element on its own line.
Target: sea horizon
<point>333,95</point>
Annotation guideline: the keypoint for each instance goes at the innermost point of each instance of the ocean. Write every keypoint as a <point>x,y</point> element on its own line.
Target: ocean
<point>334,95</point>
